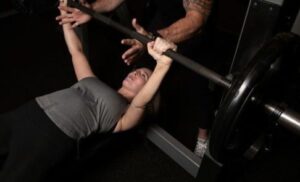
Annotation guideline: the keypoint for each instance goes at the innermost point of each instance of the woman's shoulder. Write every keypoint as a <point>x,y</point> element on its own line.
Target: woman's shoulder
<point>88,78</point>
<point>89,81</point>
<point>94,86</point>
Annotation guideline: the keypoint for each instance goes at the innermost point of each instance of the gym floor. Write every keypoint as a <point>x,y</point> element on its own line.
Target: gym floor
<point>35,61</point>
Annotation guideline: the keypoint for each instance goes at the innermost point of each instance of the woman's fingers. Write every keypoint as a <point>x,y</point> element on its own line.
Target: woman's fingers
<point>66,20</point>
<point>150,48</point>
<point>76,24</point>
<point>67,9</point>
<point>156,55</point>
<point>157,48</point>
<point>63,16</point>
<point>60,17</point>
<point>162,45</point>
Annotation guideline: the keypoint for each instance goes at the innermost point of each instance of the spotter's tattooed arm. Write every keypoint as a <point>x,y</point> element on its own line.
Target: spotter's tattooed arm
<point>197,12</point>
<point>103,6</point>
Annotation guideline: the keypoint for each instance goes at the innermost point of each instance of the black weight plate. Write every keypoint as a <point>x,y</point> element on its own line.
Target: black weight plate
<point>242,89</point>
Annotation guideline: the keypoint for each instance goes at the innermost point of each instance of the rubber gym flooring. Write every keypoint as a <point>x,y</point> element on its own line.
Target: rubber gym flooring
<point>34,61</point>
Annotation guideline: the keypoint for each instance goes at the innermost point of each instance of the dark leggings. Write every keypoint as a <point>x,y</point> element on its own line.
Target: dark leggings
<point>30,145</point>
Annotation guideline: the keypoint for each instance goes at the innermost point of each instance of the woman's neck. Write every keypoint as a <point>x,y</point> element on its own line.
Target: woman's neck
<point>128,95</point>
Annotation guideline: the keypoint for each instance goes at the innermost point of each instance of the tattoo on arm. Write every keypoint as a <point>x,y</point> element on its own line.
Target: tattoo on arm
<point>202,6</point>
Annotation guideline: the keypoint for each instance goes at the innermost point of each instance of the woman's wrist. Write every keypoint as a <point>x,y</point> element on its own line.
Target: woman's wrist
<point>162,65</point>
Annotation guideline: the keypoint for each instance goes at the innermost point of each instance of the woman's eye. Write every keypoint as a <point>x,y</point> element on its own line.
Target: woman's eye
<point>144,76</point>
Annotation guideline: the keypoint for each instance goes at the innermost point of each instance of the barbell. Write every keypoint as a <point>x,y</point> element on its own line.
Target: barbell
<point>241,91</point>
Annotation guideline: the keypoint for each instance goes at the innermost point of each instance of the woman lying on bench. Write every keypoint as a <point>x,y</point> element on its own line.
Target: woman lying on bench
<point>37,136</point>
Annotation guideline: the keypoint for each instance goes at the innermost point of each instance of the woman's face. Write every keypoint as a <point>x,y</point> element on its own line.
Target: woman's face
<point>136,79</point>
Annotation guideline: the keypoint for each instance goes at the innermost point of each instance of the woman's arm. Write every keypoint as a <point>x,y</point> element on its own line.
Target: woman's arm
<point>80,63</point>
<point>136,109</point>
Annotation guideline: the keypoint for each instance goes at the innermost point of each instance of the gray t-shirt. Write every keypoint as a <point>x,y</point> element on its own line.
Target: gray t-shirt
<point>87,107</point>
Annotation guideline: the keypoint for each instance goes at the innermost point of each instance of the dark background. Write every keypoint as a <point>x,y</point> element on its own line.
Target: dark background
<point>34,61</point>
